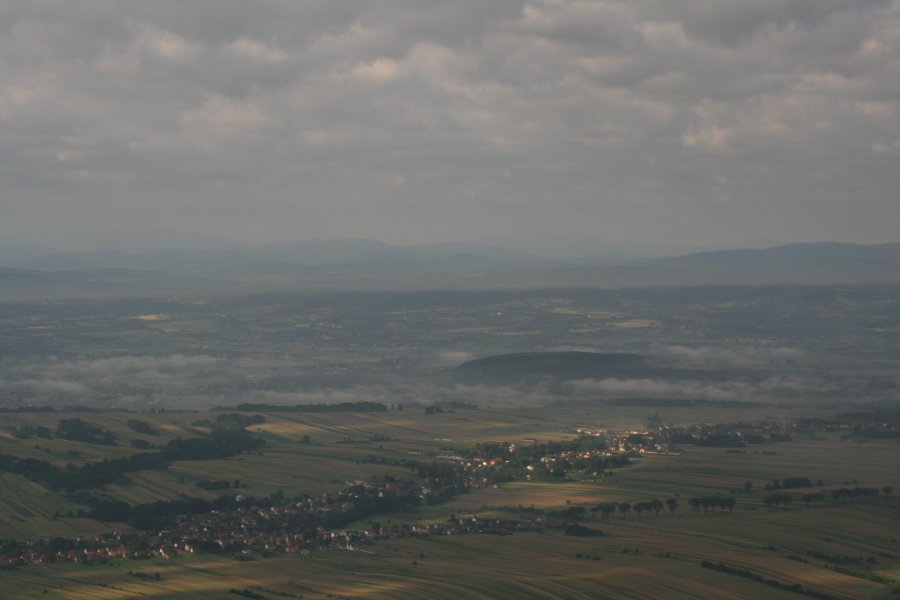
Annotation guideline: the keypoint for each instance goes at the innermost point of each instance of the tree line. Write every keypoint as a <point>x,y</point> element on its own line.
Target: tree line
<point>364,406</point>
<point>221,443</point>
<point>655,506</point>
<point>838,495</point>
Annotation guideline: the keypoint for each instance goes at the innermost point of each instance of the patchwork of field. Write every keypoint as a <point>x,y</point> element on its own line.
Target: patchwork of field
<point>624,564</point>
<point>845,550</point>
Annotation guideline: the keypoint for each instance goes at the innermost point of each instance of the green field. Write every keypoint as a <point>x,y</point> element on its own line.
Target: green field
<point>649,556</point>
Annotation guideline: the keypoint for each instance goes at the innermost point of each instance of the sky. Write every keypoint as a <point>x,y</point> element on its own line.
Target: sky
<point>533,124</point>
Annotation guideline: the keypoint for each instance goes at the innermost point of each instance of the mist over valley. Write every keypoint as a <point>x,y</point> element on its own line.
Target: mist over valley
<point>817,345</point>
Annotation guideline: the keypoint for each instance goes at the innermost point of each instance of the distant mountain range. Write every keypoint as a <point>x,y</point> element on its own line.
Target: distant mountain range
<point>275,257</point>
<point>808,263</point>
<point>368,264</point>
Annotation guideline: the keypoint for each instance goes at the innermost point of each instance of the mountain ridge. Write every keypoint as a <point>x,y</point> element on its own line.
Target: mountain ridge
<point>369,264</point>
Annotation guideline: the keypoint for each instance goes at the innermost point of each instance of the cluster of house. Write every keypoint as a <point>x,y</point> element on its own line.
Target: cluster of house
<point>241,534</point>
<point>85,551</point>
<point>664,439</point>
<point>631,441</point>
<point>276,526</point>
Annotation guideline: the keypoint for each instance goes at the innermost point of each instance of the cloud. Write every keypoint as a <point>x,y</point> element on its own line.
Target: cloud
<point>604,119</point>
<point>771,389</point>
<point>129,364</point>
<point>45,386</point>
<point>453,358</point>
<point>409,394</point>
<point>200,381</point>
<point>734,356</point>
<point>118,376</point>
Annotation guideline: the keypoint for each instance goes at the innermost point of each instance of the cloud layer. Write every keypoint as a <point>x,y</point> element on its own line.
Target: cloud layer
<point>123,378</point>
<point>701,120</point>
<point>200,381</point>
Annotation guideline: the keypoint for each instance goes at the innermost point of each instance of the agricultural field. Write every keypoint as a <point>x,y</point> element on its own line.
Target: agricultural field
<point>834,549</point>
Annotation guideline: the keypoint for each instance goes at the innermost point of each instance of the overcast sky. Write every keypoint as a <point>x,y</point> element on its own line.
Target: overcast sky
<point>692,123</point>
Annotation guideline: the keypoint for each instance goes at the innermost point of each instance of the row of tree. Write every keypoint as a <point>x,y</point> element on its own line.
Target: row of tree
<point>792,482</point>
<point>706,503</point>
<point>655,506</point>
<point>856,493</point>
<point>713,503</point>
<point>364,406</point>
<point>839,495</point>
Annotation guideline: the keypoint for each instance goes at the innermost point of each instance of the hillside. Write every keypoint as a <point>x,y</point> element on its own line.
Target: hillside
<point>556,365</point>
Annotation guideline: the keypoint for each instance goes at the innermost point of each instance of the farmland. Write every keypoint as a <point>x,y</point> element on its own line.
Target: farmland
<point>500,300</point>
<point>845,549</point>
<point>550,443</point>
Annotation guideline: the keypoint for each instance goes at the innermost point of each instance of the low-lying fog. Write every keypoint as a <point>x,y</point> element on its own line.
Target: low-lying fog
<point>824,345</point>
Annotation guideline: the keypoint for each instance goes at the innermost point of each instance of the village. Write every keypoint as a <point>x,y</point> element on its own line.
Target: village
<point>274,526</point>
<point>244,526</point>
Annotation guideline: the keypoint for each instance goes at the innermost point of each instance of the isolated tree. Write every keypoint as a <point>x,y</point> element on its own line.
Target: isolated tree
<point>624,507</point>
<point>656,506</point>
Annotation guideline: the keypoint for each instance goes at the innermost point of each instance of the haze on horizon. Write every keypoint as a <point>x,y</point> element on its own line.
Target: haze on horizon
<point>548,126</point>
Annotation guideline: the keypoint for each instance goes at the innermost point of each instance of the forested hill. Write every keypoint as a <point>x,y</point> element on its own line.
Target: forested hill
<point>555,365</point>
